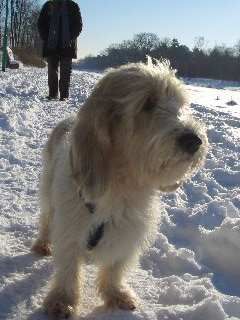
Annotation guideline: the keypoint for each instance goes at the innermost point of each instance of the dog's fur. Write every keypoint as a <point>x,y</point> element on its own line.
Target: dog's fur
<point>121,148</point>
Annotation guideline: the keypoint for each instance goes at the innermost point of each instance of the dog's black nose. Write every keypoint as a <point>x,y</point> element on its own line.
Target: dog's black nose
<point>189,142</point>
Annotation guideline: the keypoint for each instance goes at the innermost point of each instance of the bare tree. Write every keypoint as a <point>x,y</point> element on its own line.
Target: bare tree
<point>199,43</point>
<point>237,49</point>
<point>2,16</point>
<point>146,40</point>
<point>23,28</point>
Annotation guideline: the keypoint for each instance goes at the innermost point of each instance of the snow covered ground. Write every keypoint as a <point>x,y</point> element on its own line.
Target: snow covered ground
<point>193,270</point>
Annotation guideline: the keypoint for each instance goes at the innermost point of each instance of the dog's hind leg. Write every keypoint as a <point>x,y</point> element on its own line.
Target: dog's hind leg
<point>42,245</point>
<point>111,289</point>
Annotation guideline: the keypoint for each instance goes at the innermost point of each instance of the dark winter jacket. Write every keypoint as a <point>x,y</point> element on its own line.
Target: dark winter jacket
<point>75,27</point>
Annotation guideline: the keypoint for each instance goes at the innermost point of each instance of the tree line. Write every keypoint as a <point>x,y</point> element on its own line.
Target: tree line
<point>22,23</point>
<point>219,62</point>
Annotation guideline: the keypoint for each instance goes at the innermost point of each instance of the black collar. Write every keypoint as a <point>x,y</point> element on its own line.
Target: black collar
<point>95,236</point>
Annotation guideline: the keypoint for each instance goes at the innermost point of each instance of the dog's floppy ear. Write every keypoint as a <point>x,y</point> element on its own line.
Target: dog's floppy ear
<point>91,146</point>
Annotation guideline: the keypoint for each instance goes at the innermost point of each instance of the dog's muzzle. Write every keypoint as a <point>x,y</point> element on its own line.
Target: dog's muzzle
<point>189,143</point>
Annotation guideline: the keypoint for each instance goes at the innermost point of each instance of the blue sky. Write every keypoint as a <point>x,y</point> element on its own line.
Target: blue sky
<point>111,21</point>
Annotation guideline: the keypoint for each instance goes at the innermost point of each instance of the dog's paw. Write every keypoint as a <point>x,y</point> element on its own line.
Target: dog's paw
<point>121,300</point>
<point>59,310</point>
<point>41,248</point>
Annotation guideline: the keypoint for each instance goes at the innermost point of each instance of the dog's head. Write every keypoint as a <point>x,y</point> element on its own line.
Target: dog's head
<point>136,126</point>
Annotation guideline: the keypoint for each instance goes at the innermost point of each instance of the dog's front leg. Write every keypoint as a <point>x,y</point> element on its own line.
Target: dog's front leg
<point>112,290</point>
<point>64,295</point>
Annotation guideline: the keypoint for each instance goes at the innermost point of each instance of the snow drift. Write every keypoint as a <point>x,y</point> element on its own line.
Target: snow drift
<point>192,271</point>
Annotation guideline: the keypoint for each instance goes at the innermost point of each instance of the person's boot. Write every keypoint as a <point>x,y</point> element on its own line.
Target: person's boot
<point>63,98</point>
<point>50,97</point>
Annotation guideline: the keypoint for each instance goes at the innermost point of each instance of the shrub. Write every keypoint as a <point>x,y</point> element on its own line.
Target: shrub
<point>29,57</point>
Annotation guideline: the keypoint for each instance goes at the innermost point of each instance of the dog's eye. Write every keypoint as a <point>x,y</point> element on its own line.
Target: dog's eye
<point>149,105</point>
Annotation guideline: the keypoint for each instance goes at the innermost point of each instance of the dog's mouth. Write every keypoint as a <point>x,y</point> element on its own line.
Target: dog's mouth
<point>174,171</point>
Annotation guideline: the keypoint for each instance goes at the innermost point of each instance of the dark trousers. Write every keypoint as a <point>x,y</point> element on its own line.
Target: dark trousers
<point>63,84</point>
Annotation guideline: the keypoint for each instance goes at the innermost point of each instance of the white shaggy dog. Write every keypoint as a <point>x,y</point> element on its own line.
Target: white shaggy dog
<point>133,136</point>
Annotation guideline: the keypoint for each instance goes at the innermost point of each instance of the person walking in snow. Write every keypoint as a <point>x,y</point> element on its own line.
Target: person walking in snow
<point>59,25</point>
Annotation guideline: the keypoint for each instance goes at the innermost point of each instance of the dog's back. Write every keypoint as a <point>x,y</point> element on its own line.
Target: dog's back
<point>57,135</point>
<point>51,154</point>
